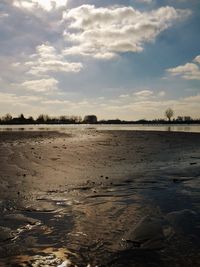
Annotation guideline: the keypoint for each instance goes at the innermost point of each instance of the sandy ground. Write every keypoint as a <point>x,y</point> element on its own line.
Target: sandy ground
<point>124,175</point>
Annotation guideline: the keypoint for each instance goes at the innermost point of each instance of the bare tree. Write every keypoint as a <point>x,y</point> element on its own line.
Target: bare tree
<point>169,113</point>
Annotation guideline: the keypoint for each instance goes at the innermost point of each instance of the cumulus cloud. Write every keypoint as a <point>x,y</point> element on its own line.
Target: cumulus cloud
<point>42,85</point>
<point>197,59</point>
<point>151,108</point>
<point>136,98</point>
<point>106,32</point>
<point>143,94</point>
<point>189,71</point>
<point>125,108</point>
<point>12,99</point>
<point>27,104</point>
<point>46,5</point>
<point>35,50</point>
<point>39,72</point>
<point>47,59</point>
<point>7,98</point>
<point>130,108</point>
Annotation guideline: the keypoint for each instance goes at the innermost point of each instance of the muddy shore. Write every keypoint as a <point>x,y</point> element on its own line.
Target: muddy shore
<point>87,197</point>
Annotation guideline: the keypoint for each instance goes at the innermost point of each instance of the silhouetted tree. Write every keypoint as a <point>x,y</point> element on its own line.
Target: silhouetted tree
<point>44,118</point>
<point>7,118</point>
<point>187,118</point>
<point>21,119</point>
<point>21,116</point>
<point>180,119</point>
<point>169,113</point>
<point>30,120</point>
<point>40,118</point>
<point>63,119</point>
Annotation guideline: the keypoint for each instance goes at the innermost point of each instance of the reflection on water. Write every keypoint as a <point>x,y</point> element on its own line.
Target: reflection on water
<point>132,223</point>
<point>63,128</point>
<point>49,257</point>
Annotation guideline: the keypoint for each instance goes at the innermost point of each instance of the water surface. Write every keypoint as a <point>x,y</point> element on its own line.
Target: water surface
<point>130,127</point>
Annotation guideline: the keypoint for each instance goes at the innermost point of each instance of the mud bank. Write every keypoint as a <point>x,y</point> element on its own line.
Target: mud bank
<point>98,197</point>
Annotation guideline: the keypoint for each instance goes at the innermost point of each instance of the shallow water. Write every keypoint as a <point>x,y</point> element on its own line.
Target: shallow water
<point>89,225</point>
<point>136,127</point>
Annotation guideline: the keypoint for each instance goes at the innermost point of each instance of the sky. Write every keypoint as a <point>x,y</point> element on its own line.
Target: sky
<point>129,59</point>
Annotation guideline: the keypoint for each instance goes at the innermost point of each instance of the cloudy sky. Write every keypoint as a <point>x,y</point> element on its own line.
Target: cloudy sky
<point>127,59</point>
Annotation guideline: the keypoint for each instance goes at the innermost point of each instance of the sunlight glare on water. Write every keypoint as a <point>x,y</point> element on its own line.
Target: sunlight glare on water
<point>195,128</point>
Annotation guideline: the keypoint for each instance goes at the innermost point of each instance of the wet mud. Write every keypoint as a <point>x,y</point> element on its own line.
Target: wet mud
<point>100,199</point>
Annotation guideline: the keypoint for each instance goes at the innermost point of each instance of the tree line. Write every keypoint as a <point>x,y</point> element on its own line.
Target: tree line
<point>41,119</point>
<point>92,119</point>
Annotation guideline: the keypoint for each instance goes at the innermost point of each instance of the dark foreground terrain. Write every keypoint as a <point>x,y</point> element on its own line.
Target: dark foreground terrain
<point>100,198</point>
